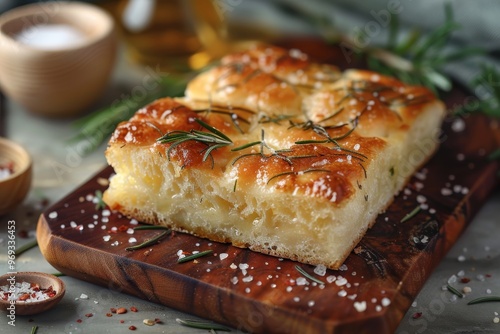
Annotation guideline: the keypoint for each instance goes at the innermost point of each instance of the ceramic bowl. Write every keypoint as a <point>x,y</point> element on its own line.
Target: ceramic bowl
<point>52,80</point>
<point>43,280</point>
<point>14,187</point>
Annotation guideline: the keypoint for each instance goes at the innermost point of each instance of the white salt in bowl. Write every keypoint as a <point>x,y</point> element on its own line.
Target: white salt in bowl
<point>56,57</point>
<point>31,306</point>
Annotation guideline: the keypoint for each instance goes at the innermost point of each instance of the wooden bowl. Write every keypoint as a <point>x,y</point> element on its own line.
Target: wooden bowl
<point>58,81</point>
<point>13,188</point>
<point>26,307</point>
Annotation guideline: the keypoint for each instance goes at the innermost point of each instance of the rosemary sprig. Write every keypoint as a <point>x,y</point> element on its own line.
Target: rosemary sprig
<point>306,275</point>
<point>148,242</point>
<point>100,204</point>
<point>213,139</point>
<point>454,291</point>
<point>484,300</point>
<point>488,82</point>
<point>93,130</point>
<point>418,59</point>
<point>202,325</point>
<point>411,214</point>
<point>194,256</point>
<point>27,246</point>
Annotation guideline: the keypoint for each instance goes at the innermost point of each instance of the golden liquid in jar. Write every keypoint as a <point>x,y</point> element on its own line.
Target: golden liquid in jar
<point>179,35</point>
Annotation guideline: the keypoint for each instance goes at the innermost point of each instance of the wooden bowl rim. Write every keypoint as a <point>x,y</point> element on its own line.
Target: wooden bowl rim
<point>30,10</point>
<point>33,275</point>
<point>9,145</point>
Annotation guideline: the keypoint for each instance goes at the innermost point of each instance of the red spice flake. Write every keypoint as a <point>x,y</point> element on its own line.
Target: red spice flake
<point>113,310</point>
<point>487,275</point>
<point>79,320</point>
<point>89,315</point>
<point>123,228</point>
<point>109,314</point>
<point>290,282</point>
<point>417,315</point>
<point>133,309</point>
<point>132,328</point>
<point>465,280</point>
<point>122,321</point>
<point>158,321</point>
<point>24,296</point>
<point>121,310</point>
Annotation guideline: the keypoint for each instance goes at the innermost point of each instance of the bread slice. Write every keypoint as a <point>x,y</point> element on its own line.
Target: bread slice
<point>275,153</point>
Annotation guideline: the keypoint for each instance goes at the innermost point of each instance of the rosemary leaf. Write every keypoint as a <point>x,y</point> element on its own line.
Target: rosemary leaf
<point>454,291</point>
<point>26,247</point>
<point>202,325</point>
<point>100,205</point>
<point>148,242</point>
<point>306,275</point>
<point>58,274</point>
<point>34,329</point>
<point>410,215</point>
<point>484,300</point>
<point>194,256</point>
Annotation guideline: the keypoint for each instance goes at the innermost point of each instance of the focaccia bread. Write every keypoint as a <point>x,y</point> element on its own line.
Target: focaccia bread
<point>276,153</point>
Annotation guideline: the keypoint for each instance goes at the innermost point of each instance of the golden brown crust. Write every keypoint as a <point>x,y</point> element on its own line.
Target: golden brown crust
<point>300,133</point>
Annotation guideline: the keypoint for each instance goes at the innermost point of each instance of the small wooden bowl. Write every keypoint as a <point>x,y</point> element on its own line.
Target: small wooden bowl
<point>13,189</point>
<point>29,308</point>
<point>63,81</point>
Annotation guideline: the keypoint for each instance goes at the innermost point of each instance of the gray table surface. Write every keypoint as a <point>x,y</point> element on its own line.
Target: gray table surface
<point>58,170</point>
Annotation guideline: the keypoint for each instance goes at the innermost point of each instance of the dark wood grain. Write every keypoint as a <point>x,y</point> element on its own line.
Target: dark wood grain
<point>386,270</point>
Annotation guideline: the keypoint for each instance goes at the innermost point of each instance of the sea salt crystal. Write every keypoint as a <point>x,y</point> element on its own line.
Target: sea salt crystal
<point>340,281</point>
<point>320,270</point>
<point>234,280</point>
<point>130,231</point>
<point>343,267</point>
<point>247,290</point>
<point>91,225</point>
<point>105,213</point>
<point>446,192</point>
<point>247,279</point>
<point>223,256</point>
<point>458,125</point>
<point>84,296</point>
<point>132,240</point>
<point>296,299</point>
<point>360,306</point>
<point>243,267</point>
<point>311,303</point>
<point>301,281</point>
<point>385,302</point>
<point>233,266</point>
<point>378,308</point>
<point>53,215</point>
<point>461,258</point>
<point>289,289</point>
<point>116,243</point>
<point>342,293</point>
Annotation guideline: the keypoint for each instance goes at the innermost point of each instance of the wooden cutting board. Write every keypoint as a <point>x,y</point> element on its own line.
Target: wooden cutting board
<point>258,293</point>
